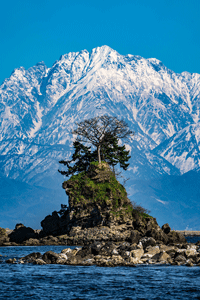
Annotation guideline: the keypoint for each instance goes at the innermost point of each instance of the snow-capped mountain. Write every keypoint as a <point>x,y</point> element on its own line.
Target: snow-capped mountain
<point>39,107</point>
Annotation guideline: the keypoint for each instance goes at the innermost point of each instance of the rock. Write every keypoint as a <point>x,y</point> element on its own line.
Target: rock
<point>67,250</point>
<point>31,242</point>
<point>39,261</point>
<point>158,235</point>
<point>62,259</point>
<point>166,228</point>
<point>115,252</point>
<point>11,261</point>
<point>180,258</point>
<point>147,241</point>
<point>161,257</point>
<point>151,251</point>
<point>134,237</point>
<point>191,252</point>
<point>189,263</point>
<point>7,244</point>
<point>3,232</point>
<point>96,248</point>
<point>22,233</point>
<point>50,257</point>
<point>136,254</point>
<point>32,256</point>
<point>109,254</point>
<point>175,237</point>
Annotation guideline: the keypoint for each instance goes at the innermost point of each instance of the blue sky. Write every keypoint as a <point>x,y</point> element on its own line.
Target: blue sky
<point>42,30</point>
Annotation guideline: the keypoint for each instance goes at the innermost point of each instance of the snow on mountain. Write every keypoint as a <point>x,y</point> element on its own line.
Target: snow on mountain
<point>182,149</point>
<point>39,107</point>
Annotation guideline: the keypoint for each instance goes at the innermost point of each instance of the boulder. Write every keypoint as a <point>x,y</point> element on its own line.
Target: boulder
<point>137,254</point>
<point>158,235</point>
<point>166,228</point>
<point>151,251</point>
<point>50,257</point>
<point>11,261</point>
<point>147,241</point>
<point>162,256</point>
<point>175,237</point>
<point>180,259</point>
<point>134,237</point>
<point>22,233</point>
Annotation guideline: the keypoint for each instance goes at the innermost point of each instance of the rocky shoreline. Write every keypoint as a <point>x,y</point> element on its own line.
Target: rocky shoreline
<point>111,246</point>
<point>108,254</point>
<point>119,245</point>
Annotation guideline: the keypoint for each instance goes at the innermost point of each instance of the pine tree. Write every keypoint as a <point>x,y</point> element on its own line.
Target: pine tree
<point>112,153</point>
<point>80,160</point>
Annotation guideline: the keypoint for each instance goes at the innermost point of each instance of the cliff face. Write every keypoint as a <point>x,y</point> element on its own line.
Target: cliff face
<point>95,198</point>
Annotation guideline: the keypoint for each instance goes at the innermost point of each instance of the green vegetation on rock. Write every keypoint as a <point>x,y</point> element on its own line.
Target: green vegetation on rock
<point>98,190</point>
<point>2,231</point>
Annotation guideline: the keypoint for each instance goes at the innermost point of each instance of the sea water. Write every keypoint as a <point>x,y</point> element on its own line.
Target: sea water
<point>27,281</point>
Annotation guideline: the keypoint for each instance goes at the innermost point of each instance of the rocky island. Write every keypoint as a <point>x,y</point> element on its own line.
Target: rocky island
<point>111,230</point>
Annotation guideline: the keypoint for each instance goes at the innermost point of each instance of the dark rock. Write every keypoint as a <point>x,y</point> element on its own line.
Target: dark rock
<point>158,235</point>
<point>180,258</point>
<point>134,237</point>
<point>50,257</point>
<point>22,233</point>
<point>96,248</point>
<point>32,256</point>
<point>166,228</point>
<point>176,237</point>
<point>11,261</point>
<point>147,241</point>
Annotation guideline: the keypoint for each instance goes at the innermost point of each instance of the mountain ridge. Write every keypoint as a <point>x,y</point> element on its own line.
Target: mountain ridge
<point>39,107</point>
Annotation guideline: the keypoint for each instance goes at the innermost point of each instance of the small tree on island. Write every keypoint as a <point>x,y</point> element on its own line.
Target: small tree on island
<point>104,133</point>
<point>98,130</point>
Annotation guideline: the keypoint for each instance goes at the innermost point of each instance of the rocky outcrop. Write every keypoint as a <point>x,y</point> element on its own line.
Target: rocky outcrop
<point>95,198</point>
<point>22,233</point>
<point>99,210</point>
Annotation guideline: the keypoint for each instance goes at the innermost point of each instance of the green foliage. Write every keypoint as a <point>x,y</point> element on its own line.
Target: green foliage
<point>144,216</point>
<point>141,211</point>
<point>112,153</point>
<point>2,231</point>
<point>80,161</point>
<point>94,163</point>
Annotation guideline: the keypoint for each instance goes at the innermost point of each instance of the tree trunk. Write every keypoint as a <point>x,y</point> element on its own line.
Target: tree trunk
<point>99,154</point>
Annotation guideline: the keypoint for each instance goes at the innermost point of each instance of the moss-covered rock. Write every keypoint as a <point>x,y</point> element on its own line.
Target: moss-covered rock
<point>99,209</point>
<point>95,198</point>
<point>98,195</point>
